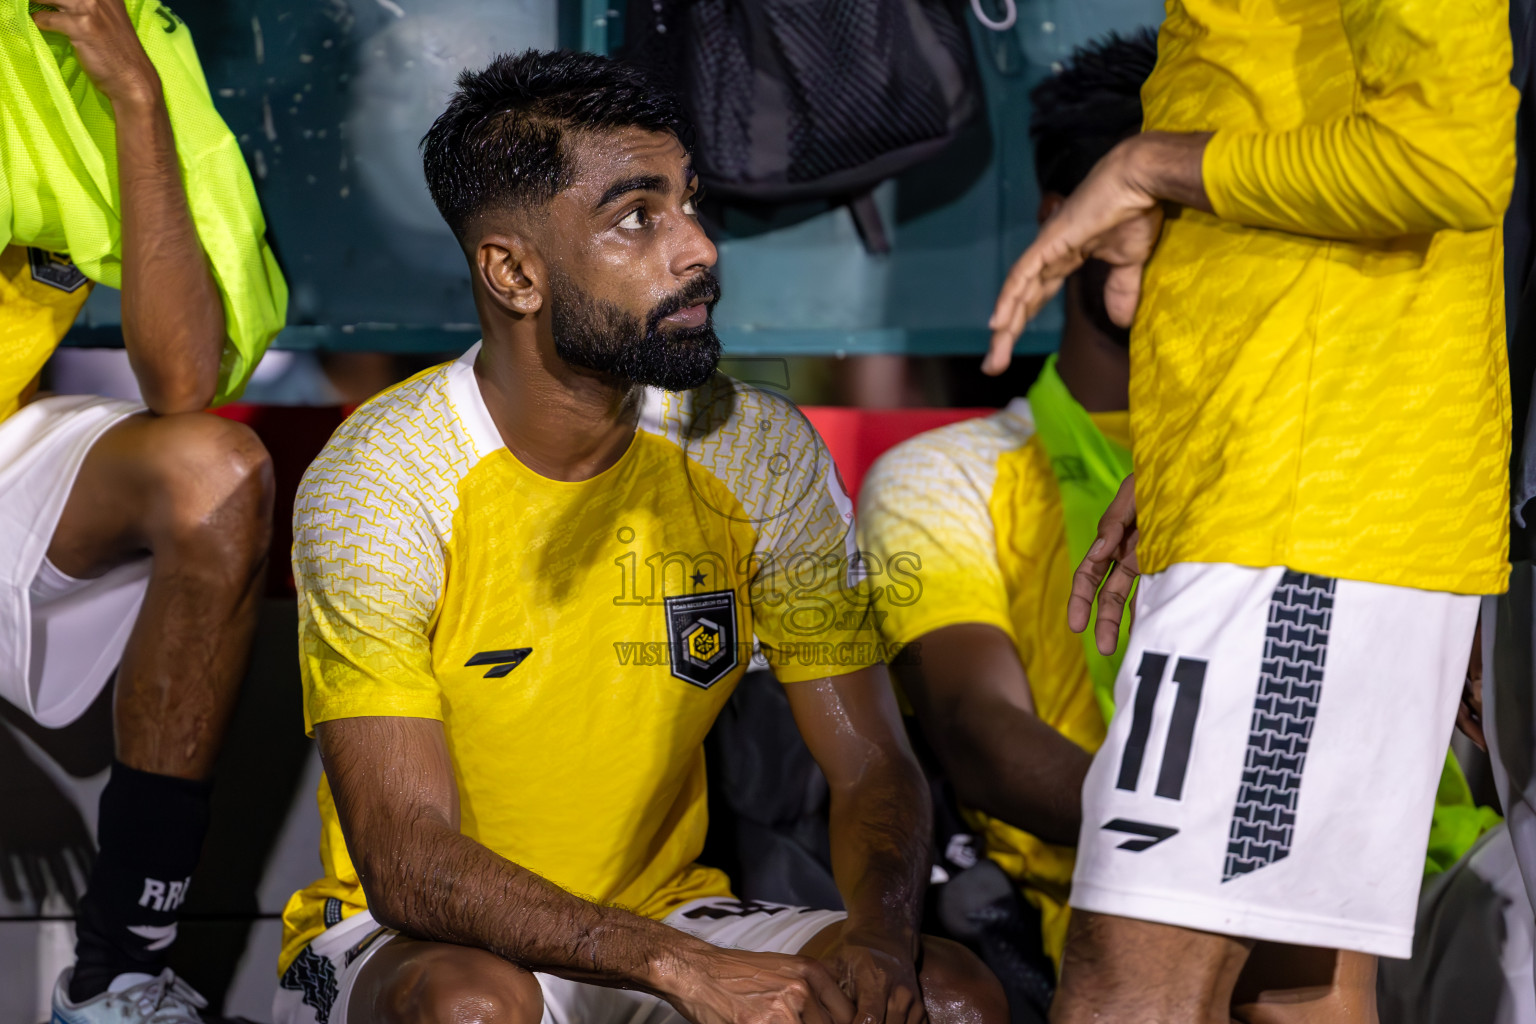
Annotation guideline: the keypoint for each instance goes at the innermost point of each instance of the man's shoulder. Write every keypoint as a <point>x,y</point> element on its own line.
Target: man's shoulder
<point>754,441</point>
<point>402,452</point>
<point>961,455</point>
<point>728,414</point>
<point>755,445</point>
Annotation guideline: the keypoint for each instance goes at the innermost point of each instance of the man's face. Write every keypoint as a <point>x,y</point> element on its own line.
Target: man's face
<point>630,287</point>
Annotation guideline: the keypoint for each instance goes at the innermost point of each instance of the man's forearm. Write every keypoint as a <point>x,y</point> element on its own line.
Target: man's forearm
<point>443,886</point>
<point>173,315</point>
<point>881,832</point>
<point>1007,763</point>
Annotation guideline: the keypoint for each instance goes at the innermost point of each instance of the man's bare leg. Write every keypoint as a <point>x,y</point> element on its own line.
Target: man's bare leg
<point>413,982</point>
<point>1303,985</point>
<point>194,492</point>
<point>1119,971</point>
<point>410,981</point>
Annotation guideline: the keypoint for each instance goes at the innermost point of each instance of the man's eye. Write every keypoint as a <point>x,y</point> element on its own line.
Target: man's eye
<point>690,205</point>
<point>633,220</point>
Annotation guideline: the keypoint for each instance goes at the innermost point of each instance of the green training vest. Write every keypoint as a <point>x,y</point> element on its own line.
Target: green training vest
<point>58,172</point>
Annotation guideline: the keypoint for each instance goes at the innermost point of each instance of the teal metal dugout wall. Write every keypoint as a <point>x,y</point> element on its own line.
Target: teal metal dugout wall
<point>329,97</point>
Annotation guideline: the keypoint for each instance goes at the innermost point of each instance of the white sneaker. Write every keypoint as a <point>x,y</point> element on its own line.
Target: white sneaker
<point>131,999</point>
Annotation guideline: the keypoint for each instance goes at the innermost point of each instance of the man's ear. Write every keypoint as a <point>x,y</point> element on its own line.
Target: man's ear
<point>512,273</point>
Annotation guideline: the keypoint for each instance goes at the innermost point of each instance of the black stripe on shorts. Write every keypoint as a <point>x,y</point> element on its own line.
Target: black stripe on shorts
<point>1284,711</point>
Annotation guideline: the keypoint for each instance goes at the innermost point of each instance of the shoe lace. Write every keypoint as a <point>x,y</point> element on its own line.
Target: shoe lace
<point>168,1000</point>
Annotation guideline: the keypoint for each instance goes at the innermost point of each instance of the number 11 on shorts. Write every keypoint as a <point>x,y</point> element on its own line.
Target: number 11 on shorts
<point>1189,677</point>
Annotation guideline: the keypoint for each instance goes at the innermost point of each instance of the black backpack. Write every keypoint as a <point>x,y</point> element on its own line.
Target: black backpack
<point>812,99</point>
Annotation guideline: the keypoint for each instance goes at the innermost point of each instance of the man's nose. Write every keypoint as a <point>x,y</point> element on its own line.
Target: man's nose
<point>693,249</point>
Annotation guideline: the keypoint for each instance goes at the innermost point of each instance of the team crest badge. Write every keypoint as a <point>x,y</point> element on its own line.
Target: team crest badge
<point>701,631</point>
<point>54,270</point>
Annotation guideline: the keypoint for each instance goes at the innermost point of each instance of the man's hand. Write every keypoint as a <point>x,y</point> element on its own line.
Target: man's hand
<point>1114,216</point>
<point>1469,717</point>
<point>881,979</point>
<point>107,46</point>
<point>1113,553</point>
<point>733,986</point>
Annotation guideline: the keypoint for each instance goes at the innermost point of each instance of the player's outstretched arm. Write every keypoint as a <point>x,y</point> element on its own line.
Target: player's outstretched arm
<point>173,316</point>
<point>398,804</point>
<point>971,694</point>
<point>881,826</point>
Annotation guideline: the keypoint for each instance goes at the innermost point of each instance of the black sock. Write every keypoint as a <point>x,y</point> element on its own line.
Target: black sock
<point>150,834</point>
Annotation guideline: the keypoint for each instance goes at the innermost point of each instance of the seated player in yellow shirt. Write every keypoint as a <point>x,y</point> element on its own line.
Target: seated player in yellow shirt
<point>990,515</point>
<point>529,580</point>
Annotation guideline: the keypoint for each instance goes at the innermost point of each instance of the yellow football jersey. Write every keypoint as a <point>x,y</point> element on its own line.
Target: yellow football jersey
<point>576,639</point>
<point>1318,373</point>
<point>40,295</point>
<point>968,519</point>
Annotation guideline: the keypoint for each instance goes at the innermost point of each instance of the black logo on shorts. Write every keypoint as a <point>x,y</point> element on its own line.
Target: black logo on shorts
<point>701,630</point>
<point>54,270</point>
<point>502,662</point>
<point>1147,836</point>
<point>315,977</point>
<point>721,909</point>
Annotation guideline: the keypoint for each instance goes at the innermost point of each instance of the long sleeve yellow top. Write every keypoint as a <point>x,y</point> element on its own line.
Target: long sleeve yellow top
<point>1318,371</point>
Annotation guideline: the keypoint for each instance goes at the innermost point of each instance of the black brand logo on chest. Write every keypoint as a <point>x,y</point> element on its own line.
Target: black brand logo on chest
<point>501,662</point>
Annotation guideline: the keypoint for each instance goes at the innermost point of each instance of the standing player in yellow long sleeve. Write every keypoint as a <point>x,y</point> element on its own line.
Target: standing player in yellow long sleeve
<point>1319,402</point>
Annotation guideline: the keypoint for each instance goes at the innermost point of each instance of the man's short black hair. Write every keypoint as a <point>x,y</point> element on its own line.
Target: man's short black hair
<point>1080,112</point>
<point>503,141</point>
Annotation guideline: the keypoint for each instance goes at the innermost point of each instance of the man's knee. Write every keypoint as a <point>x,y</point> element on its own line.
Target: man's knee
<point>957,986</point>
<point>460,986</point>
<point>1118,967</point>
<point>215,482</point>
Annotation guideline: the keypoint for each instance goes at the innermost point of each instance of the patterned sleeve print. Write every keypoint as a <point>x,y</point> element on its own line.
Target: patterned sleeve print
<point>370,526</point>
<point>924,519</point>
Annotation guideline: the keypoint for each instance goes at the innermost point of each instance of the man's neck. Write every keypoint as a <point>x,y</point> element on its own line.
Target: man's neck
<point>561,423</point>
<point>1095,368</point>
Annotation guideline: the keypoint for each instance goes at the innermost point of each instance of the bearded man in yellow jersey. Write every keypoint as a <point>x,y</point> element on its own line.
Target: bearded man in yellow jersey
<point>530,579</point>
<point>1319,403</point>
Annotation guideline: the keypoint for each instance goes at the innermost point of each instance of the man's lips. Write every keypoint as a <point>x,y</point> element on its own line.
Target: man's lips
<point>692,316</point>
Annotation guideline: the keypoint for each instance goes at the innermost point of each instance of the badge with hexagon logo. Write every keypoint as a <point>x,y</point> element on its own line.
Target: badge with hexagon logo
<point>701,630</point>
<point>54,270</point>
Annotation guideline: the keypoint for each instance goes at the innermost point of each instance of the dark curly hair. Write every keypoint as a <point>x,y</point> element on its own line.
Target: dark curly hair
<point>502,140</point>
<point>1080,112</point>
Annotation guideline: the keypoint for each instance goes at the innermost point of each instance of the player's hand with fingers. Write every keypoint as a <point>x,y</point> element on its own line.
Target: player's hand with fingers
<point>107,46</point>
<point>1109,217</point>
<point>881,979</point>
<point>1108,572</point>
<point>733,986</point>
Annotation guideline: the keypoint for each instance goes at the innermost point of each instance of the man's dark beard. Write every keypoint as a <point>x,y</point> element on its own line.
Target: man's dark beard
<point>599,336</point>
<point>1090,288</point>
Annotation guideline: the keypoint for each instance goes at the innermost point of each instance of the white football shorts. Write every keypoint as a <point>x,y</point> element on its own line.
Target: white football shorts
<point>318,985</point>
<point>60,638</point>
<point>1271,768</point>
